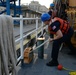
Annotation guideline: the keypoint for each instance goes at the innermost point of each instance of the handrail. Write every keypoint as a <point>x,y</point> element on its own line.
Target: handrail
<point>21,32</point>
<point>29,33</point>
<point>17,18</point>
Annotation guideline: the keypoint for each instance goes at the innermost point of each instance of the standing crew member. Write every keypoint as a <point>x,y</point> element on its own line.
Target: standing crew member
<point>52,10</point>
<point>63,33</point>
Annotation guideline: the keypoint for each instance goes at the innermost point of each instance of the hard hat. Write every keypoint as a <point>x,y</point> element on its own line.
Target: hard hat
<point>45,17</point>
<point>52,5</point>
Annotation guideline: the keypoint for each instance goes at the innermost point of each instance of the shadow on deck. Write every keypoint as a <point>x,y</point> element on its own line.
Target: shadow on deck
<point>38,66</point>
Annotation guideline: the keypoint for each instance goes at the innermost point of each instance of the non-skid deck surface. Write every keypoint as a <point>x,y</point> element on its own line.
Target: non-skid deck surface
<point>38,66</point>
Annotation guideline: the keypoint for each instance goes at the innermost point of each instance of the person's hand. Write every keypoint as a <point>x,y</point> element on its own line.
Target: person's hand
<point>50,39</point>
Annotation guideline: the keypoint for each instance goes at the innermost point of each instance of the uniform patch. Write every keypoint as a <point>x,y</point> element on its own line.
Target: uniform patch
<point>54,27</point>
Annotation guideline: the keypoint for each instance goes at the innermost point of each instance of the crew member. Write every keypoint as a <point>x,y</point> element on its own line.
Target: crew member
<point>63,33</point>
<point>52,10</point>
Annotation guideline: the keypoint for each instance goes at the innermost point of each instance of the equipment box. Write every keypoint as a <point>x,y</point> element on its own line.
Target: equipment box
<point>28,55</point>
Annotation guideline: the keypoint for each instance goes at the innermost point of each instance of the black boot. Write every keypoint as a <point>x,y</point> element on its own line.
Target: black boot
<point>52,63</point>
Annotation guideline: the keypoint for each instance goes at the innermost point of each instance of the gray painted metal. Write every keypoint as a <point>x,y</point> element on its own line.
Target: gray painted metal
<point>38,66</point>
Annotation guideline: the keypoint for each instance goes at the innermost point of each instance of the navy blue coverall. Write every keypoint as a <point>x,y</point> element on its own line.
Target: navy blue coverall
<point>66,39</point>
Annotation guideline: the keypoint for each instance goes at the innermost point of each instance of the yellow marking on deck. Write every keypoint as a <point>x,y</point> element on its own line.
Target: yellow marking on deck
<point>26,40</point>
<point>72,73</point>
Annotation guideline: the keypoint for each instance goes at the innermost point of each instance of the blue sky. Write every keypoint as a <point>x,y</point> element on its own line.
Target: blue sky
<point>42,2</point>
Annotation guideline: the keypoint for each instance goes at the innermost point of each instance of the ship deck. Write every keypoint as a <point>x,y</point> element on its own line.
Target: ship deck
<point>38,66</point>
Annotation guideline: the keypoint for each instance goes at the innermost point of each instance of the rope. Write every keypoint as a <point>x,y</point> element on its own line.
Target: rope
<point>72,72</point>
<point>69,69</point>
<point>8,56</point>
<point>39,45</point>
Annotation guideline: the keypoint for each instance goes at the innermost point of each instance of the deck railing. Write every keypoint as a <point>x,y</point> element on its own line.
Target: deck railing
<point>21,32</point>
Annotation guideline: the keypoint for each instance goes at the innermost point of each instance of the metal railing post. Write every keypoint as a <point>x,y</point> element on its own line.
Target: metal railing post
<point>36,27</point>
<point>21,36</point>
<point>42,28</point>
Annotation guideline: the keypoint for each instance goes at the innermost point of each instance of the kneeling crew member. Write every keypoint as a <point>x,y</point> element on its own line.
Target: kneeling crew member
<point>63,33</point>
